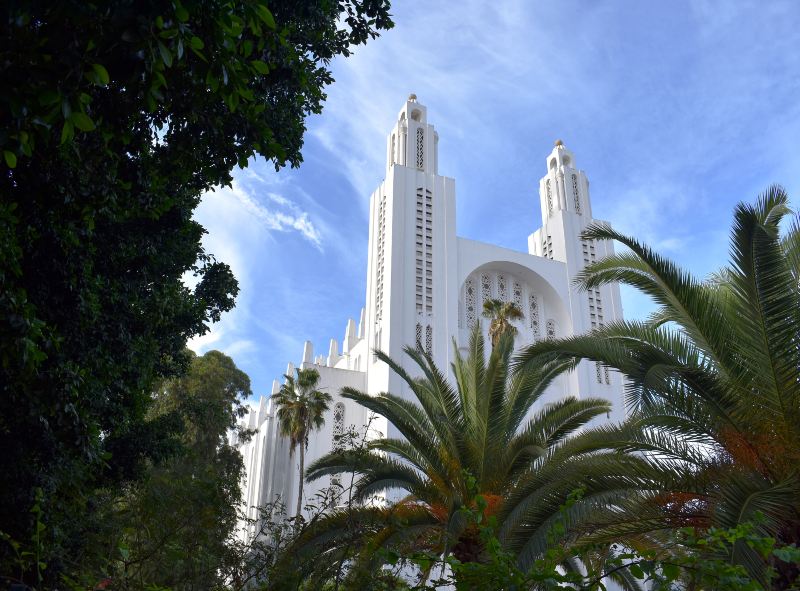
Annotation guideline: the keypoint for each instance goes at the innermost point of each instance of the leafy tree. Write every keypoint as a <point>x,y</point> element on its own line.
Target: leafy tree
<point>174,527</point>
<point>712,380</point>
<point>481,435</point>
<point>501,314</point>
<point>301,409</point>
<point>114,118</point>
<point>180,521</point>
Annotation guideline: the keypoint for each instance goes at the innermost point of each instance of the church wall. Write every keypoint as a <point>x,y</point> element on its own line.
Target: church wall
<point>332,380</point>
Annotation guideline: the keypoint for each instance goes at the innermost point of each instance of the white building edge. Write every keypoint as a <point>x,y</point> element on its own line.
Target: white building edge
<point>426,285</point>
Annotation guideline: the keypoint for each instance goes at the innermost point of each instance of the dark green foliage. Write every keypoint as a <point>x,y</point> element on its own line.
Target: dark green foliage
<point>177,524</point>
<point>114,118</point>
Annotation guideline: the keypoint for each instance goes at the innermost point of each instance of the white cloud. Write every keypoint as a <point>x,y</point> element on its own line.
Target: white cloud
<point>292,218</point>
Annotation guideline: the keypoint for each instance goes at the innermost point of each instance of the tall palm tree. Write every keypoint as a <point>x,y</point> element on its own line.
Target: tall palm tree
<point>713,376</point>
<point>501,315</point>
<point>301,409</point>
<point>482,435</point>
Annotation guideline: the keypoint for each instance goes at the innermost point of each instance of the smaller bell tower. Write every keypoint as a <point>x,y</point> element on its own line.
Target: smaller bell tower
<point>566,213</point>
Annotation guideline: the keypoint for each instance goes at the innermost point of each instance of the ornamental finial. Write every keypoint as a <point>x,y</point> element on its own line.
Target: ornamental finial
<point>559,143</point>
<point>412,97</point>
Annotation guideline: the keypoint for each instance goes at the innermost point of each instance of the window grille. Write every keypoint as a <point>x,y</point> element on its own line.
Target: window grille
<point>469,302</point>
<point>380,263</point>
<point>549,197</point>
<point>502,288</point>
<point>429,340</point>
<point>338,432</point>
<point>533,307</point>
<point>486,287</point>
<point>575,194</point>
<point>420,148</point>
<point>551,329</point>
<point>518,294</point>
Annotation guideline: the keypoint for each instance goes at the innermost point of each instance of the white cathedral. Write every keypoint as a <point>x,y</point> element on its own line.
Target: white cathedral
<point>427,285</point>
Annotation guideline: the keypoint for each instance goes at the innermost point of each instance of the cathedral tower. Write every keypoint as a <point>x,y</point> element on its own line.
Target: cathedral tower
<point>412,227</point>
<point>566,212</point>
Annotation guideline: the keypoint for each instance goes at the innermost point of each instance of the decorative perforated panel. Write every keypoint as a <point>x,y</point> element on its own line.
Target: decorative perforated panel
<point>575,194</point>
<point>517,299</point>
<point>429,340</point>
<point>486,287</point>
<point>533,315</point>
<point>469,302</point>
<point>420,148</point>
<point>502,288</point>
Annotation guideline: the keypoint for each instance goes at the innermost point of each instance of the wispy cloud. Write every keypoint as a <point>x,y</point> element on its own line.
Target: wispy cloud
<point>290,218</point>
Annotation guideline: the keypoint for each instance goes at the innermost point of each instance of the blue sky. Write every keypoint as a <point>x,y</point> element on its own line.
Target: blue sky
<point>675,110</point>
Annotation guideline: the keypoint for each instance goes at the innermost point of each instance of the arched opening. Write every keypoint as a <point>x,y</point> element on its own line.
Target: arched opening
<point>542,307</point>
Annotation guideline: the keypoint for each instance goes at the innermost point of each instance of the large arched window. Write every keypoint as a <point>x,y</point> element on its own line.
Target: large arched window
<point>504,285</point>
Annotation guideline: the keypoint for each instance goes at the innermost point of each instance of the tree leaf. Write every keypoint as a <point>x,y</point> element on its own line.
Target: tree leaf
<point>11,158</point>
<point>265,15</point>
<point>82,121</point>
<point>166,54</point>
<point>49,97</point>
<point>636,571</point>
<point>67,132</point>
<point>260,67</point>
<point>182,14</point>
<point>102,74</point>
<point>196,43</point>
<point>670,571</point>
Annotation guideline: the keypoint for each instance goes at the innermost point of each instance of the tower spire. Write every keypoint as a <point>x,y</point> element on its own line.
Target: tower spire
<point>413,142</point>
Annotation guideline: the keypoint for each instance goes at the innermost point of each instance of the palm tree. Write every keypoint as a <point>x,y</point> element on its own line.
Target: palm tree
<point>713,380</point>
<point>501,315</point>
<point>301,409</point>
<point>481,435</point>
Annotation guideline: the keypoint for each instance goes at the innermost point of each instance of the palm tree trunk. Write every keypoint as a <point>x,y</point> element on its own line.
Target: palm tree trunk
<point>300,487</point>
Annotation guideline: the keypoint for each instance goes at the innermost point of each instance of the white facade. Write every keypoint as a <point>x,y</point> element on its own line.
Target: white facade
<point>426,285</point>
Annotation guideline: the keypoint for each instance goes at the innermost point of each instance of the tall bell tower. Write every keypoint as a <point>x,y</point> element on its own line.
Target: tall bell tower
<point>411,232</point>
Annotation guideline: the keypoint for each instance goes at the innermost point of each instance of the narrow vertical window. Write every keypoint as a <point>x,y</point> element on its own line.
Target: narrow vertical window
<point>420,148</point>
<point>575,194</point>
<point>469,302</point>
<point>338,433</point>
<point>379,267</point>
<point>502,288</point>
<point>551,329</point>
<point>486,287</point>
<point>549,197</point>
<point>518,294</point>
<point>533,307</point>
<point>429,340</point>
